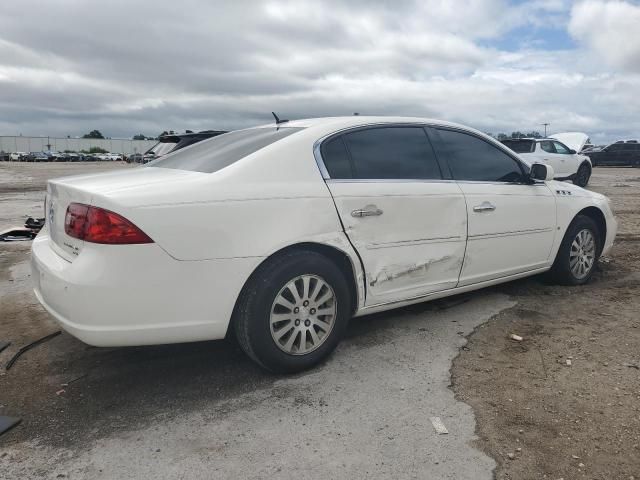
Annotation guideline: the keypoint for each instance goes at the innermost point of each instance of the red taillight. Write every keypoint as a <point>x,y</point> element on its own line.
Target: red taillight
<point>97,225</point>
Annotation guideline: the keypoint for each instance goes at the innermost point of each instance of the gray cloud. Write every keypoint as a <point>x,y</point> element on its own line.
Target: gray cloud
<point>129,67</point>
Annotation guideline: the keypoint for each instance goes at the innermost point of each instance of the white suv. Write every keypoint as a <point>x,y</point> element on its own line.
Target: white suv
<point>566,162</point>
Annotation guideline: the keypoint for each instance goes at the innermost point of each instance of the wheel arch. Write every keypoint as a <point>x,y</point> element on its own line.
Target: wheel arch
<point>595,214</point>
<point>343,260</point>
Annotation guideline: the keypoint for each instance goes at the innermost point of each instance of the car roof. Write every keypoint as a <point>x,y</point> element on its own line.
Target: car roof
<point>360,120</point>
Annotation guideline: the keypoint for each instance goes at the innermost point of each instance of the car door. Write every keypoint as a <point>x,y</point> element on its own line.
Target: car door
<point>547,154</point>
<point>569,161</point>
<point>407,223</point>
<point>511,222</point>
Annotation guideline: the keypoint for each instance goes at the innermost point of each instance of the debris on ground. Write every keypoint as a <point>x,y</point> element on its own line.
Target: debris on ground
<point>7,423</point>
<point>32,227</point>
<point>439,426</point>
<point>630,365</point>
<point>29,347</point>
<point>515,337</point>
<point>3,345</point>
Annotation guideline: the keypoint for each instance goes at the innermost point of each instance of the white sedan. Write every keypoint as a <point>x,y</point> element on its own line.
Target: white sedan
<point>561,151</point>
<point>283,232</point>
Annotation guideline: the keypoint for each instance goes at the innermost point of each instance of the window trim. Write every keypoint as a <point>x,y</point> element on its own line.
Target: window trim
<point>524,168</point>
<point>317,153</point>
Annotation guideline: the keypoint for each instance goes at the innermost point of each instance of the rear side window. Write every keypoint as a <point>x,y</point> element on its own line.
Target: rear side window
<point>520,146</point>
<point>336,158</point>
<point>473,159</point>
<point>390,153</point>
<point>218,152</point>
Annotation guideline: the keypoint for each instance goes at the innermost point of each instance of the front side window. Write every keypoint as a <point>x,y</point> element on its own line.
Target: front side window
<point>473,159</point>
<point>390,153</point>
<point>560,148</point>
<point>547,146</point>
<point>520,146</point>
<point>221,151</point>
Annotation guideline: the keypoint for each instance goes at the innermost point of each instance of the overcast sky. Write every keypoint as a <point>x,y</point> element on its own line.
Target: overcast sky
<point>124,67</point>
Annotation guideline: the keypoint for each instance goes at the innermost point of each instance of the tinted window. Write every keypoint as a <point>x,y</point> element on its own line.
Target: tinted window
<point>218,152</point>
<point>616,147</point>
<point>336,158</point>
<point>519,146</point>
<point>392,152</point>
<point>547,146</point>
<point>472,158</point>
<point>560,148</point>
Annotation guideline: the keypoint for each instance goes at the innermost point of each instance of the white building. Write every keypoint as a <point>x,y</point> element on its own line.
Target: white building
<point>39,144</point>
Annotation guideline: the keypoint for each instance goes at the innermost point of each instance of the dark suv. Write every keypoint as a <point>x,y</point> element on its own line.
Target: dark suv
<point>172,142</point>
<point>617,154</point>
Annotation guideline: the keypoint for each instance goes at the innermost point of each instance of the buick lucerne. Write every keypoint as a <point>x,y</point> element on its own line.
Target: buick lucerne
<point>282,233</point>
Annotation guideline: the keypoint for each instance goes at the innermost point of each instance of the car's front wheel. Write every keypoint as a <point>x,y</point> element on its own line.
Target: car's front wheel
<point>582,176</point>
<point>293,311</point>
<point>578,253</point>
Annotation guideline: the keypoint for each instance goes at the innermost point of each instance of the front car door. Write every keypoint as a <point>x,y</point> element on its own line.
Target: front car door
<point>511,222</point>
<point>547,154</point>
<point>407,222</point>
<point>570,161</point>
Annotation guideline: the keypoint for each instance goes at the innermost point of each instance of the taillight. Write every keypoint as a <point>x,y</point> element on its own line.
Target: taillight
<point>97,225</point>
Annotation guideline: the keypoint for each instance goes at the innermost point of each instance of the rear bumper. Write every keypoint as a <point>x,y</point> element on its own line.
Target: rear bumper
<point>117,295</point>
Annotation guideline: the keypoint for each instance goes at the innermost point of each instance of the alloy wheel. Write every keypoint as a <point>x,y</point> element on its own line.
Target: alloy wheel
<point>582,254</point>
<point>303,314</point>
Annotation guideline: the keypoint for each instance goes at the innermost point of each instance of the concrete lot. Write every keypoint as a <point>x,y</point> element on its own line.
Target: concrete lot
<point>203,410</point>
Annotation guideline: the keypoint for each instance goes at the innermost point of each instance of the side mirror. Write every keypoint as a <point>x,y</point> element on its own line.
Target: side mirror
<point>541,171</point>
<point>572,151</point>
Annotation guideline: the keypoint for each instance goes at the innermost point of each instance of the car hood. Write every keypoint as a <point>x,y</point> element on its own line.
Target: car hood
<point>574,140</point>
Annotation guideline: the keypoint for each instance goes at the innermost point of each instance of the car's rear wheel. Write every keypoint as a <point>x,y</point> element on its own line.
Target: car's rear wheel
<point>582,175</point>
<point>578,253</point>
<point>293,312</point>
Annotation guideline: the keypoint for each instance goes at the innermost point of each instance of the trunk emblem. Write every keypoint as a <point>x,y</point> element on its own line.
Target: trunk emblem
<point>51,213</point>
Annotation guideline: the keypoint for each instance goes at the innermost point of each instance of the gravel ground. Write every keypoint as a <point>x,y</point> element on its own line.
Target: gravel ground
<point>203,410</point>
<point>538,416</point>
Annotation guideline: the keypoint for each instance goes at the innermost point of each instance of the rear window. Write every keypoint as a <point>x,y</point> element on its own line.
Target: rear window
<point>519,146</point>
<point>219,152</point>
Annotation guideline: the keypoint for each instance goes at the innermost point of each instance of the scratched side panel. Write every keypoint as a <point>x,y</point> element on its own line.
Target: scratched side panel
<point>416,245</point>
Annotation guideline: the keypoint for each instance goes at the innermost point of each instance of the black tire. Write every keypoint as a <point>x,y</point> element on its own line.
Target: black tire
<point>252,314</point>
<point>561,271</point>
<point>582,175</point>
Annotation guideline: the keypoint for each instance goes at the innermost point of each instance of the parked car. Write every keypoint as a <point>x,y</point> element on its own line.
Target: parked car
<point>617,154</point>
<point>17,156</point>
<point>566,163</point>
<point>134,158</point>
<point>283,233</point>
<point>114,157</point>
<point>4,156</point>
<point>173,142</point>
<point>37,157</point>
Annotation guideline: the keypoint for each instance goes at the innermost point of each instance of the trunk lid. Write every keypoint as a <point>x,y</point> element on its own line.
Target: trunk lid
<point>86,189</point>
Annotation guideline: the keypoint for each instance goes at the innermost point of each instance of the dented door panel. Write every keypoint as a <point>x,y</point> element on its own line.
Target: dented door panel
<point>415,245</point>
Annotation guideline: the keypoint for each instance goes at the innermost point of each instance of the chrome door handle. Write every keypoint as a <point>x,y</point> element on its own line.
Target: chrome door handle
<point>368,211</point>
<point>484,207</point>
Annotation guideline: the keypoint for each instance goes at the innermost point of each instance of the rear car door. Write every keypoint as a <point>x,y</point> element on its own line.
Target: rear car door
<point>511,223</point>
<point>407,222</point>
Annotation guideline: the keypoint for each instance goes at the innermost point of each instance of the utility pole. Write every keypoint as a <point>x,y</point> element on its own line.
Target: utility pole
<point>545,128</point>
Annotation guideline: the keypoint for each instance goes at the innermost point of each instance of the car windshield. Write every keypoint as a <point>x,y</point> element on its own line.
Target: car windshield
<point>519,146</point>
<point>218,152</point>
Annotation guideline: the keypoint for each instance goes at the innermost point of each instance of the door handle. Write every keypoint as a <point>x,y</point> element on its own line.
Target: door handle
<point>368,211</point>
<point>484,207</point>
